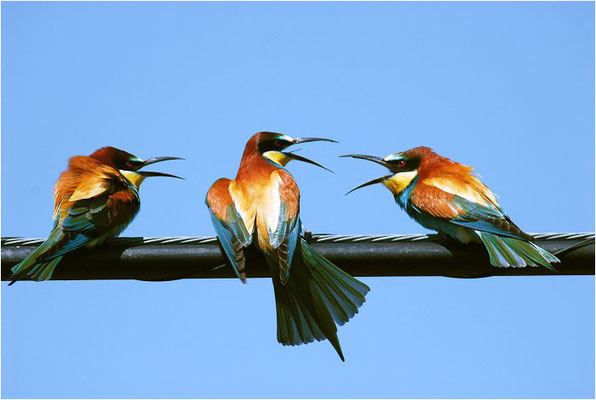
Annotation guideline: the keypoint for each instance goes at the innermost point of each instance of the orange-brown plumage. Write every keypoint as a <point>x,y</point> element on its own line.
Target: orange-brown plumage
<point>261,207</point>
<point>289,193</point>
<point>88,178</point>
<point>448,197</point>
<point>94,200</point>
<point>253,167</point>
<point>436,171</point>
<point>123,205</point>
<point>435,201</point>
<point>219,196</point>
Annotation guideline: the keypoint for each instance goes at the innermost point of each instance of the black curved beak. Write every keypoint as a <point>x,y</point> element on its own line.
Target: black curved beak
<point>152,173</point>
<point>371,182</point>
<point>159,159</point>
<point>295,156</point>
<point>312,139</point>
<point>374,159</point>
<point>156,160</point>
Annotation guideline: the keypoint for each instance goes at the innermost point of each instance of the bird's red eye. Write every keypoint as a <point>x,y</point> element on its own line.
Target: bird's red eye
<point>129,164</point>
<point>401,163</point>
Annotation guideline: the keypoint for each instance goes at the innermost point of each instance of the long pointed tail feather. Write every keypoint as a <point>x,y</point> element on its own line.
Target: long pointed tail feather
<point>37,265</point>
<point>317,295</point>
<point>510,252</point>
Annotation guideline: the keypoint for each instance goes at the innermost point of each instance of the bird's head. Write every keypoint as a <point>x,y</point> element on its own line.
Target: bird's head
<point>404,168</point>
<point>271,144</point>
<point>129,165</point>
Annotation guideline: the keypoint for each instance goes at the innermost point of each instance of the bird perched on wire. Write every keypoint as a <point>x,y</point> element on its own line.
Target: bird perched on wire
<point>262,207</point>
<point>446,196</point>
<point>95,199</point>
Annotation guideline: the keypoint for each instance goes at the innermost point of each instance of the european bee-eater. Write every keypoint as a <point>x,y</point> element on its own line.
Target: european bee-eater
<point>447,197</point>
<point>262,206</point>
<point>94,200</point>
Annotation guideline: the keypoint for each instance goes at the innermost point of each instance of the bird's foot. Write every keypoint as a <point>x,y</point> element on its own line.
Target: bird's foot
<point>307,235</point>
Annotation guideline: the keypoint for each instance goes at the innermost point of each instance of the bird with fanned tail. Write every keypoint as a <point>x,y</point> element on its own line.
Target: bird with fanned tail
<point>94,200</point>
<point>261,208</point>
<point>447,197</point>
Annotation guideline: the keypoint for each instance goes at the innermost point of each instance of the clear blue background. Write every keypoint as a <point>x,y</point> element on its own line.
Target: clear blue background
<point>507,88</point>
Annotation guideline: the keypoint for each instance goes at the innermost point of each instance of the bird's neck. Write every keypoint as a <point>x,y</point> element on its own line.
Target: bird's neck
<point>253,164</point>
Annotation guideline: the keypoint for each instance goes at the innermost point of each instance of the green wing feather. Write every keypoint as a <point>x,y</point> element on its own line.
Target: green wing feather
<point>487,219</point>
<point>233,237</point>
<point>507,245</point>
<point>85,222</point>
<point>285,239</point>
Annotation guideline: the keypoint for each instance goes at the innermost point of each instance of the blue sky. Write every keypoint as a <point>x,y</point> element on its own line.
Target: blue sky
<point>505,87</point>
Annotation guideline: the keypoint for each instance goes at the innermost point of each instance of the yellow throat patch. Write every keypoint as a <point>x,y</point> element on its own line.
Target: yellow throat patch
<point>133,177</point>
<point>277,157</point>
<point>398,182</point>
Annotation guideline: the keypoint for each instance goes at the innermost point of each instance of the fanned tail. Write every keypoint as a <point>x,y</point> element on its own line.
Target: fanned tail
<point>510,252</point>
<point>317,295</point>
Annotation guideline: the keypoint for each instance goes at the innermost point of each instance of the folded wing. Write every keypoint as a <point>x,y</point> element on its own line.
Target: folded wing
<point>464,200</point>
<point>229,225</point>
<point>85,215</point>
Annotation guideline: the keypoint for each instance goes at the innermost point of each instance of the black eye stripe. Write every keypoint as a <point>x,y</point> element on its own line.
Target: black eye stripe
<point>130,165</point>
<point>274,144</point>
<point>405,165</point>
<point>397,162</point>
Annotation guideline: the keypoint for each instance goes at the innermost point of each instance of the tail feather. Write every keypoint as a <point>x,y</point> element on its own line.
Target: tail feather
<point>40,264</point>
<point>511,257</point>
<point>295,323</point>
<point>496,258</point>
<point>342,293</point>
<point>510,252</point>
<point>551,258</point>
<point>46,270</point>
<point>317,295</point>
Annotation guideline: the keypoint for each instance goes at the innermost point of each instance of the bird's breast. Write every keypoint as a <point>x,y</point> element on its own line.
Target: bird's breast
<point>123,206</point>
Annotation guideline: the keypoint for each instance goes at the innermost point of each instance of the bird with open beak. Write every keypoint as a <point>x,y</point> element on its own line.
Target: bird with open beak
<point>447,197</point>
<point>261,207</point>
<point>94,200</point>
